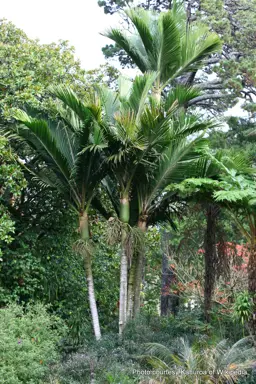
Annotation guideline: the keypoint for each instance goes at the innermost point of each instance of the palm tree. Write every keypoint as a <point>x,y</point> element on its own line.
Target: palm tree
<point>171,48</point>
<point>177,159</point>
<point>148,149</point>
<point>72,162</point>
<point>133,138</point>
<point>166,44</point>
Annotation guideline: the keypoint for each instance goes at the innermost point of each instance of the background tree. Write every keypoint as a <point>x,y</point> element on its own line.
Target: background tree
<point>239,191</point>
<point>210,172</point>
<point>28,68</point>
<point>12,182</point>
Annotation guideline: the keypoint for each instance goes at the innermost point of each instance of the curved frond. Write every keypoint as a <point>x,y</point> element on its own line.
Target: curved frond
<point>169,53</point>
<point>125,43</point>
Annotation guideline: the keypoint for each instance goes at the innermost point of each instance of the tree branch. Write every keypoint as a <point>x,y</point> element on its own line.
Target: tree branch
<point>207,96</point>
<point>213,60</point>
<point>216,84</point>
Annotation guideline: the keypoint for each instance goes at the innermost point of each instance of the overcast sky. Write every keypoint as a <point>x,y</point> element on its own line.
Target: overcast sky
<point>79,21</point>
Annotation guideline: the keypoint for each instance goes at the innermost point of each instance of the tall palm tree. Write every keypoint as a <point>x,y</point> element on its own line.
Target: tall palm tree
<point>149,148</point>
<point>131,142</point>
<point>72,161</point>
<point>177,160</point>
<point>166,44</point>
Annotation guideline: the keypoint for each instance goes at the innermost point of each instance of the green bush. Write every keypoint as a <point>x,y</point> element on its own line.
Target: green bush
<point>109,361</point>
<point>28,344</point>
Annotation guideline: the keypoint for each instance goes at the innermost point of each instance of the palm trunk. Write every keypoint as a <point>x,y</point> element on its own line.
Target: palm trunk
<point>156,92</point>
<point>85,235</point>
<point>252,284</point>
<point>157,95</point>
<point>210,257</point>
<point>142,224</point>
<point>124,217</point>
<point>131,289</point>
<point>135,276</point>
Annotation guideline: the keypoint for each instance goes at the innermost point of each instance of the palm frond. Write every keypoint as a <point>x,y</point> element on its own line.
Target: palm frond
<point>141,21</point>
<point>125,43</point>
<point>70,99</point>
<point>139,93</point>
<point>169,53</point>
<point>42,132</point>
<point>182,95</point>
<point>175,164</point>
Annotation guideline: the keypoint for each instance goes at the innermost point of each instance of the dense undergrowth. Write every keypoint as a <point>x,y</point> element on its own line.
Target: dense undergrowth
<point>38,348</point>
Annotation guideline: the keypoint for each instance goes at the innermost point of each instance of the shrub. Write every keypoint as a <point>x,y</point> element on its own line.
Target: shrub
<point>107,361</point>
<point>28,343</point>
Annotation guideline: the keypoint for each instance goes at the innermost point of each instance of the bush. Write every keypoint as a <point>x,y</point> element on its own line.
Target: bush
<point>108,361</point>
<point>28,344</point>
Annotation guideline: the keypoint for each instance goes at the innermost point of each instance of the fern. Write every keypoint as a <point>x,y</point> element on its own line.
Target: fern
<point>234,195</point>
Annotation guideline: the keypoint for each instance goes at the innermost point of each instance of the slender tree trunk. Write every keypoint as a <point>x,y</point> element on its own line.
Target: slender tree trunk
<point>142,224</point>
<point>131,283</point>
<point>135,276</point>
<point>138,282</point>
<point>124,217</point>
<point>169,302</point>
<point>210,257</point>
<point>85,235</point>
<point>252,284</point>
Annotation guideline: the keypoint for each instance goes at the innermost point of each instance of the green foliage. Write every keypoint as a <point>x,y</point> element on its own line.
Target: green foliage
<point>234,69</point>
<point>209,361</point>
<point>164,44</point>
<point>243,307</point>
<point>28,68</point>
<point>11,184</point>
<point>249,379</point>
<point>98,144</point>
<point>40,264</point>
<point>115,358</point>
<point>234,23</point>
<point>28,343</point>
<point>108,361</point>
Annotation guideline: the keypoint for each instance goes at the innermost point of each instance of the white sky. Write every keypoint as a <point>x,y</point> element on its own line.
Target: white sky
<point>79,21</point>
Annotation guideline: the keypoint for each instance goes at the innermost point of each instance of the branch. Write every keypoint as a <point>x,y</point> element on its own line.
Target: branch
<point>213,60</point>
<point>216,84</point>
<point>207,96</point>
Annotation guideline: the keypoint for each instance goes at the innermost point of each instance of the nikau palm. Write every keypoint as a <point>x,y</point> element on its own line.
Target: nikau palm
<point>166,44</point>
<point>148,149</point>
<point>177,159</point>
<point>70,150</point>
